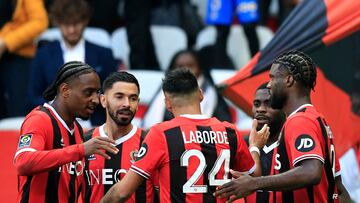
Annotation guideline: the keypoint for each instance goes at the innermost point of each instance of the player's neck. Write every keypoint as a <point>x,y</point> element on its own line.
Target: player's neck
<point>114,131</point>
<point>273,137</point>
<point>294,103</point>
<point>69,120</point>
<point>189,109</point>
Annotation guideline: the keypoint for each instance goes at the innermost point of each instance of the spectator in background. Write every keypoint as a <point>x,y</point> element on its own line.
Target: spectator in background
<point>72,18</point>
<point>17,47</point>
<point>220,14</point>
<point>213,105</point>
<point>137,16</point>
<point>284,9</point>
<point>105,14</point>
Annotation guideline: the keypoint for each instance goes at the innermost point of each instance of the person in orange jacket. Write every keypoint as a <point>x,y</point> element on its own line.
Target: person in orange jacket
<point>29,19</point>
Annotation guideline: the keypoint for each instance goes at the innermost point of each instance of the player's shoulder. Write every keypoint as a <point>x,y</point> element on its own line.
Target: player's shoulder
<point>165,125</point>
<point>302,117</point>
<point>37,116</point>
<point>37,119</point>
<point>226,124</point>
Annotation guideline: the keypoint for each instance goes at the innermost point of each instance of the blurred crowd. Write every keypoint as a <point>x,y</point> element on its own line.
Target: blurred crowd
<point>29,61</point>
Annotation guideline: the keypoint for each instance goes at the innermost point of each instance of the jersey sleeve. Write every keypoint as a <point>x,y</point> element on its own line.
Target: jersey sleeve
<point>302,135</point>
<point>33,134</point>
<point>151,155</point>
<point>32,156</point>
<point>243,160</point>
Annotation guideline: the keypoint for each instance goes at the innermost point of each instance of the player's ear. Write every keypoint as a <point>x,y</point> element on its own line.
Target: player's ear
<point>201,94</point>
<point>64,90</point>
<point>290,80</point>
<point>167,103</point>
<point>103,100</point>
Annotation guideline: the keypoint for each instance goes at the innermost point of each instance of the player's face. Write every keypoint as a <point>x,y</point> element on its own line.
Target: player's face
<point>276,85</point>
<point>186,60</point>
<point>263,112</point>
<point>121,102</point>
<point>84,95</point>
<point>72,31</point>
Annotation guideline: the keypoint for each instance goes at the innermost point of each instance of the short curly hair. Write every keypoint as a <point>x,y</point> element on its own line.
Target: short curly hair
<point>300,66</point>
<point>69,11</point>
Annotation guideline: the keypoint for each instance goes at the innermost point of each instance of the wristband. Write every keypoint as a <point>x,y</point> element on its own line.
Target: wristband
<point>254,149</point>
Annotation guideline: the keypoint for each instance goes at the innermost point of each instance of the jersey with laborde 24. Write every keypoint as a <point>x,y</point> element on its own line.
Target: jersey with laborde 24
<point>193,154</point>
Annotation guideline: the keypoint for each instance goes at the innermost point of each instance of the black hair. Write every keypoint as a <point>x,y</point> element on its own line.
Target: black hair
<point>179,81</point>
<point>262,86</point>
<point>67,72</point>
<point>68,11</point>
<point>122,76</point>
<point>300,66</point>
<point>191,52</point>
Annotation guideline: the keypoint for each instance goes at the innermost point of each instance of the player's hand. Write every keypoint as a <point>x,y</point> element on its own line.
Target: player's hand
<point>258,138</point>
<point>236,189</point>
<point>96,145</point>
<point>236,174</point>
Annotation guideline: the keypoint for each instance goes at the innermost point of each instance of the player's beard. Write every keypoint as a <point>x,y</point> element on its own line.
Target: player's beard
<point>277,100</point>
<point>121,121</point>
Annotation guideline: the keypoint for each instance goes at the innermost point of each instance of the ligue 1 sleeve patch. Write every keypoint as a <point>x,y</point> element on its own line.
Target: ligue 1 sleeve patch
<point>25,140</point>
<point>304,143</point>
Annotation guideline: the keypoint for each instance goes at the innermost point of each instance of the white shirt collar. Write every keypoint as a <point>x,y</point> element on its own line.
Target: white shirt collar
<point>121,139</point>
<point>300,107</point>
<point>76,53</point>
<point>194,116</point>
<point>59,118</point>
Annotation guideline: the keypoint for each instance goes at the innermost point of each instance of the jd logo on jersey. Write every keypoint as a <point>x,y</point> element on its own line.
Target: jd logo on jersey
<point>25,140</point>
<point>142,152</point>
<point>304,143</point>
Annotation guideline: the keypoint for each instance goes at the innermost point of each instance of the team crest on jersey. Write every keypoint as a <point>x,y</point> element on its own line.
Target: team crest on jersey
<point>25,140</point>
<point>304,143</point>
<point>142,152</point>
<point>91,157</point>
<point>133,155</point>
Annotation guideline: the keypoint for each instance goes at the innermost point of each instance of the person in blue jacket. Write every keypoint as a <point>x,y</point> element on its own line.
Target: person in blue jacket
<point>72,18</point>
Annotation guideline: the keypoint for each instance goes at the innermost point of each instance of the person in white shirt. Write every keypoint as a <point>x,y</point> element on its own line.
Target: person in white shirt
<point>71,17</point>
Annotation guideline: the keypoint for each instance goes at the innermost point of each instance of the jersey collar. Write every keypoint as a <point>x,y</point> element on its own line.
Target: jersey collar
<point>268,149</point>
<point>59,118</point>
<point>300,107</point>
<point>194,116</point>
<point>121,139</point>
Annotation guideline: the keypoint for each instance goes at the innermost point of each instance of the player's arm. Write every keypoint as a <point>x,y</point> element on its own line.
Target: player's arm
<point>30,160</point>
<point>257,141</point>
<point>122,190</point>
<point>307,172</point>
<point>343,193</point>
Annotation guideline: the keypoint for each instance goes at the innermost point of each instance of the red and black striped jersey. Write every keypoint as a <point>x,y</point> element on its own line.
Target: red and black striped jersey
<point>49,158</point>
<point>306,135</point>
<point>266,159</point>
<point>100,173</point>
<point>193,155</point>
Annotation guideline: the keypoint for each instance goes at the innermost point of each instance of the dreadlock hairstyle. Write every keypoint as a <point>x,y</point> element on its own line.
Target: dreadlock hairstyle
<point>300,66</point>
<point>67,72</point>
